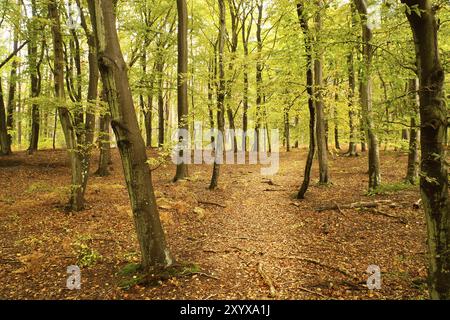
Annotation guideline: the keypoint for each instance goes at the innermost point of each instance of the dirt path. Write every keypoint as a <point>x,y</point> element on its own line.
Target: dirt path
<point>262,245</point>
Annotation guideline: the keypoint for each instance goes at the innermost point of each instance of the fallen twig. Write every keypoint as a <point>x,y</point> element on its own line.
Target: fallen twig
<point>344,272</point>
<point>357,205</point>
<point>267,280</point>
<point>212,204</point>
<point>384,214</point>
<point>313,292</point>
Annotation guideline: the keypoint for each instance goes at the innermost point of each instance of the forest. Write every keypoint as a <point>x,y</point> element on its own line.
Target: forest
<point>224,150</point>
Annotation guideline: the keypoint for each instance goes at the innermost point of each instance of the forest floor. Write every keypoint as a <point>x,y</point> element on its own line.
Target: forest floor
<point>263,244</point>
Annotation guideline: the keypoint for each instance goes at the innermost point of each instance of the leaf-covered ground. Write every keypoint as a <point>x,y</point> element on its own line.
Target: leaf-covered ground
<point>262,244</point>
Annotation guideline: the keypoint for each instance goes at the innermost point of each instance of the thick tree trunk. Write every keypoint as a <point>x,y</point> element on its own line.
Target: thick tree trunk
<point>433,119</point>
<point>182,85</point>
<point>412,173</point>
<point>366,97</point>
<point>311,107</point>
<point>129,139</point>
<point>220,99</point>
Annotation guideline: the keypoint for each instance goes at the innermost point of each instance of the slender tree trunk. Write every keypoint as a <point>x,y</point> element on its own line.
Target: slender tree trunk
<point>5,147</point>
<point>366,97</point>
<point>259,71</point>
<point>161,122</point>
<point>220,99</point>
<point>321,135</point>
<point>12,91</point>
<point>336,118</point>
<point>182,85</point>
<point>211,77</point>
<point>76,202</point>
<point>287,130</point>
<point>412,174</point>
<point>246,30</point>
<point>433,119</point>
<point>311,107</point>
<point>35,81</point>
<point>351,113</point>
<point>86,144</point>
<point>104,145</point>
<point>129,139</point>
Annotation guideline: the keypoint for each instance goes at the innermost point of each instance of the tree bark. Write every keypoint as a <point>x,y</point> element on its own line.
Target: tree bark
<point>321,135</point>
<point>412,173</point>
<point>129,139</point>
<point>220,99</point>
<point>433,119</point>
<point>366,97</point>
<point>351,112</point>
<point>105,146</point>
<point>311,107</point>
<point>5,147</point>
<point>35,80</point>
<point>161,122</point>
<point>76,202</point>
<point>259,76</point>
<point>12,91</point>
<point>246,31</point>
<point>182,86</point>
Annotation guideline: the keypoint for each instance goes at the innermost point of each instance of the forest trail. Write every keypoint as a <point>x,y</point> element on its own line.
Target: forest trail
<point>262,245</point>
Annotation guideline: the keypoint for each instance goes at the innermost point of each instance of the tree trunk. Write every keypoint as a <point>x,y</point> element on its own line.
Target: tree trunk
<point>287,130</point>
<point>35,86</point>
<point>311,107</point>
<point>366,97</point>
<point>337,145</point>
<point>220,100</point>
<point>12,91</point>
<point>259,71</point>
<point>161,122</point>
<point>412,173</point>
<point>321,136</point>
<point>182,86</point>
<point>105,146</point>
<point>433,119</point>
<point>5,147</point>
<point>76,202</point>
<point>351,96</point>
<point>129,139</point>
<point>246,30</point>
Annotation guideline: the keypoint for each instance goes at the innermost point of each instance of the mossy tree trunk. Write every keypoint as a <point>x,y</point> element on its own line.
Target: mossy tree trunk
<point>433,123</point>
<point>113,69</point>
<point>366,97</point>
